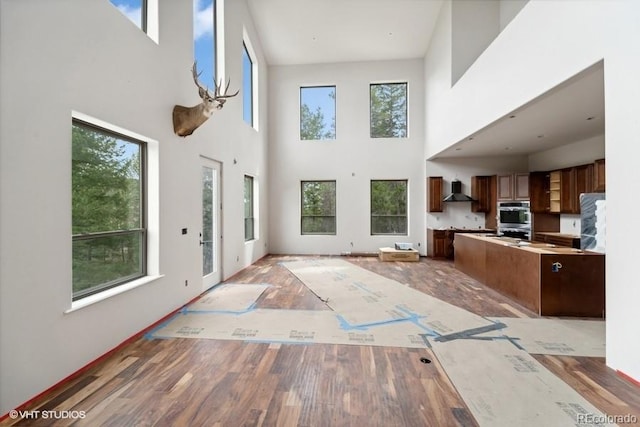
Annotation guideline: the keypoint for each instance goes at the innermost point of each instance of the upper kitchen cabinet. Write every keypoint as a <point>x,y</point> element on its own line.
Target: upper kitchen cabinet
<point>598,176</point>
<point>584,184</point>
<point>513,186</point>
<point>568,191</point>
<point>434,196</point>
<point>522,186</point>
<point>539,192</point>
<point>481,192</point>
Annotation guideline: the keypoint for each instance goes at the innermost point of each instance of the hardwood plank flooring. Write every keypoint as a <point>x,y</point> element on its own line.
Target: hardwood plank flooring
<point>192,382</point>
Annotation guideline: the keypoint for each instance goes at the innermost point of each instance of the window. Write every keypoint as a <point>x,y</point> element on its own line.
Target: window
<point>389,207</point>
<point>318,113</point>
<point>204,40</point>
<point>388,103</point>
<point>247,85</point>
<point>135,10</point>
<point>318,207</point>
<point>108,209</point>
<point>249,233</point>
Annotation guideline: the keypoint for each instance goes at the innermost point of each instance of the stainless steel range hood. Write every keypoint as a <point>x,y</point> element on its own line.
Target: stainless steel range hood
<point>456,193</point>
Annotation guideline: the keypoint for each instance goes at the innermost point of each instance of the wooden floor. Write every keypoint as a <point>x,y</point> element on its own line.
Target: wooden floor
<point>193,382</point>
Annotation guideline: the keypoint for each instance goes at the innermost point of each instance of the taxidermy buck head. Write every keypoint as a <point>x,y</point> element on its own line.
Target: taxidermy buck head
<point>188,119</point>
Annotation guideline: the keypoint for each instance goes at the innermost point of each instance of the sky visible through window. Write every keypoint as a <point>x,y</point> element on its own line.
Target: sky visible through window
<point>132,9</point>
<point>204,47</point>
<point>247,86</point>
<point>319,99</point>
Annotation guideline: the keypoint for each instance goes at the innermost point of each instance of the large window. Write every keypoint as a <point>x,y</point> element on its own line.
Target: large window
<point>135,10</point>
<point>389,207</point>
<point>204,40</point>
<point>318,113</point>
<point>318,207</point>
<point>388,103</point>
<point>108,209</point>
<point>249,220</point>
<point>247,85</point>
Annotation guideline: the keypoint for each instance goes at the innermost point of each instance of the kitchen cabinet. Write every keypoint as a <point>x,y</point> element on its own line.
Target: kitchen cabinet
<point>434,195</point>
<point>513,187</point>
<point>568,191</point>
<point>481,192</point>
<point>599,176</point>
<point>554,191</point>
<point>558,239</point>
<point>505,187</point>
<point>437,243</point>
<point>539,192</point>
<point>576,289</point>
<point>522,186</point>
<point>584,184</point>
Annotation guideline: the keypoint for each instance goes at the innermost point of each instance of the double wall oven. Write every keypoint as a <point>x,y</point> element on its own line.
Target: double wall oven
<point>514,219</point>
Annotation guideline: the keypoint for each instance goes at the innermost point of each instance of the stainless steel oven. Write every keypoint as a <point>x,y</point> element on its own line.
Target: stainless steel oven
<point>514,219</point>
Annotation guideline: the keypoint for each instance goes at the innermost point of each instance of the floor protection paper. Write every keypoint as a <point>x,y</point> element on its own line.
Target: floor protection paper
<point>504,386</point>
<point>364,298</point>
<point>562,337</point>
<point>229,297</point>
<point>287,326</point>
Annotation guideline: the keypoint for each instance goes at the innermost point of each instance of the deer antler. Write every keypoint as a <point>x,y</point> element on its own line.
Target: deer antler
<point>186,120</point>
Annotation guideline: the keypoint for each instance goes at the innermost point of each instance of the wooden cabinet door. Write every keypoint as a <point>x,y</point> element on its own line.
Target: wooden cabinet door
<point>481,192</point>
<point>522,186</point>
<point>599,176</point>
<point>436,243</point>
<point>434,195</point>
<point>568,190</point>
<point>539,192</point>
<point>505,187</point>
<point>584,183</point>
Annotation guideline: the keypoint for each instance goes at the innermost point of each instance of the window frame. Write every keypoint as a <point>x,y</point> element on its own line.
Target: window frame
<point>372,215</point>
<point>406,109</point>
<point>335,208</point>
<point>143,228</point>
<point>252,217</point>
<point>335,94</point>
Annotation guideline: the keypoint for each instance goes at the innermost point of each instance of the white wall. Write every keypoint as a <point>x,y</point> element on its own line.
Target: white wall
<point>475,24</point>
<point>86,56</point>
<point>352,159</point>
<point>545,44</point>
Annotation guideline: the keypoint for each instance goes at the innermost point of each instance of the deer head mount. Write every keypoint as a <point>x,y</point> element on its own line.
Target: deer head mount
<point>188,119</point>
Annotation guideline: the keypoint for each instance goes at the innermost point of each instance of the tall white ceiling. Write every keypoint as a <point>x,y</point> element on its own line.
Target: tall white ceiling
<point>327,31</point>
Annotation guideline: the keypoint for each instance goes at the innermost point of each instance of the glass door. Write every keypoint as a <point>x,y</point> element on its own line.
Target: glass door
<point>210,238</point>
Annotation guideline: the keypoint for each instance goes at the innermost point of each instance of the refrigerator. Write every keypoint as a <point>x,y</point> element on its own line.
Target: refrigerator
<point>593,210</point>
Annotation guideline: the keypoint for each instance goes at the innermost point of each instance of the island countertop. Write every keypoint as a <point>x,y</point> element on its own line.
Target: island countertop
<point>550,280</point>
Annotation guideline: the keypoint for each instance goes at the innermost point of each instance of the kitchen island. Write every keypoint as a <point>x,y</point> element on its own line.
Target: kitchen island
<point>548,279</point>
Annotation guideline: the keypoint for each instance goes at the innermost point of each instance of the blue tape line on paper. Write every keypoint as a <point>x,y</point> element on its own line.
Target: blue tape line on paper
<point>149,335</point>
